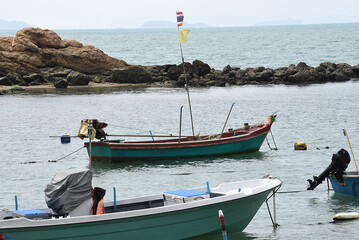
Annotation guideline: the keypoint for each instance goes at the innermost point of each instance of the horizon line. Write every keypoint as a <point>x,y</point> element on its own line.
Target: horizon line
<point>200,27</point>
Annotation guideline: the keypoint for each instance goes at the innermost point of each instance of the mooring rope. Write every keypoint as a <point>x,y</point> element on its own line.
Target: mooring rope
<point>273,142</point>
<point>66,155</point>
<point>294,191</point>
<point>275,224</point>
<point>56,159</point>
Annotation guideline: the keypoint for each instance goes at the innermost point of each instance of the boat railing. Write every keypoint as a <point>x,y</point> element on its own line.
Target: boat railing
<point>111,208</point>
<point>122,206</point>
<point>351,173</point>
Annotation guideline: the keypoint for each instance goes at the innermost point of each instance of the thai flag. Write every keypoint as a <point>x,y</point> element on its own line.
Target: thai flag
<point>179,18</point>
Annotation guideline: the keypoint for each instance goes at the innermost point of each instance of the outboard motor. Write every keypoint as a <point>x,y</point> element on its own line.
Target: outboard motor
<point>340,162</point>
<point>68,189</point>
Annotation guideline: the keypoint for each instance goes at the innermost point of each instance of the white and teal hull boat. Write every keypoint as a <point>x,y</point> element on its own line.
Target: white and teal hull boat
<point>162,216</point>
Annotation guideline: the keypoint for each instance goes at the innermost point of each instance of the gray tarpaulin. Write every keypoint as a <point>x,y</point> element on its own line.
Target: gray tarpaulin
<point>68,189</point>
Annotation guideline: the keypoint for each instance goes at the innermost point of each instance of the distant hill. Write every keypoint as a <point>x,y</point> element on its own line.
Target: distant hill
<point>13,24</point>
<point>167,24</point>
<point>281,22</point>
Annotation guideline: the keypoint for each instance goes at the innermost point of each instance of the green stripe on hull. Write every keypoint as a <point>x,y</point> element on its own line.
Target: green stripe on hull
<point>249,145</point>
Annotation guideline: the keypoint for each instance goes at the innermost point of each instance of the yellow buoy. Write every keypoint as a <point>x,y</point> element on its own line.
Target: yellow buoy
<point>300,146</point>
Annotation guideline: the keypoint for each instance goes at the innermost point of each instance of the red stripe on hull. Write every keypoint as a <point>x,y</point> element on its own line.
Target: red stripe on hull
<point>255,131</point>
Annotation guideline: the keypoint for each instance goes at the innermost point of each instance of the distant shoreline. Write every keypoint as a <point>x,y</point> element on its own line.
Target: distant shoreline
<point>26,89</point>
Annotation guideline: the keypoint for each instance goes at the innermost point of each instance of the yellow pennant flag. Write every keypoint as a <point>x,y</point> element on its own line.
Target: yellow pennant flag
<point>183,35</point>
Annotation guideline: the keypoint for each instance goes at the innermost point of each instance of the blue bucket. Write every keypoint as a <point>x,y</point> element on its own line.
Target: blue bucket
<point>65,138</point>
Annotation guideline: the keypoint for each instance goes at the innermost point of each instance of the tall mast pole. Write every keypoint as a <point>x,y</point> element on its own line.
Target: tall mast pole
<point>185,77</point>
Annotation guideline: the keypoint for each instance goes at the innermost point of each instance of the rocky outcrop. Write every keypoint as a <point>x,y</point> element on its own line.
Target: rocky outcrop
<point>293,74</point>
<point>197,74</point>
<point>34,48</point>
<point>40,57</point>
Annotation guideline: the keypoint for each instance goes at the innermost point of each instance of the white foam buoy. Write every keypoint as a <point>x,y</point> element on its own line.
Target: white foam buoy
<point>346,216</point>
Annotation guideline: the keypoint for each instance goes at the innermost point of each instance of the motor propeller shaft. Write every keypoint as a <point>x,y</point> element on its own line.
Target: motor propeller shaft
<point>340,162</point>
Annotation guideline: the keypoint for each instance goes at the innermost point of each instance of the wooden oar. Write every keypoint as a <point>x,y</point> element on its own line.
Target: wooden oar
<point>90,129</point>
<point>135,135</point>
<point>66,136</point>
<point>346,134</point>
<point>227,120</point>
<point>180,126</point>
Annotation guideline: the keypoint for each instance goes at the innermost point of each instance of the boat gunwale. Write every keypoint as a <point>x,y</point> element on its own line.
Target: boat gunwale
<point>351,174</point>
<point>263,129</point>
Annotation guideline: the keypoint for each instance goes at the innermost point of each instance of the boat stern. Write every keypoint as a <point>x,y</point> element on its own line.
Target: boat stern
<point>349,186</point>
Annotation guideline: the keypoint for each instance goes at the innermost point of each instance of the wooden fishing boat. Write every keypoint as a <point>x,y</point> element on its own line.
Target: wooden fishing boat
<point>247,139</point>
<point>170,215</point>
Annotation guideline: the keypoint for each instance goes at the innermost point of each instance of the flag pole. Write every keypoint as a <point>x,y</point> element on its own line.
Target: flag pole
<point>185,77</point>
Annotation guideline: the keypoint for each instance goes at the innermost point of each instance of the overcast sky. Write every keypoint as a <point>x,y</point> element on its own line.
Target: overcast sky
<point>99,14</point>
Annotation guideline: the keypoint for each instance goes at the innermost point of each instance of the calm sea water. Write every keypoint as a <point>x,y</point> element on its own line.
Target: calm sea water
<point>314,114</point>
<point>275,46</point>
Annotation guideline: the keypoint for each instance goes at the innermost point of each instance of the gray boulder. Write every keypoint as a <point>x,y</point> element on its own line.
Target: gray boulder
<point>62,83</point>
<point>200,68</point>
<point>328,65</point>
<point>346,69</point>
<point>3,92</point>
<point>35,77</point>
<point>182,79</point>
<point>78,79</point>
<point>174,72</point>
<point>356,70</point>
<point>226,69</point>
<point>280,72</point>
<point>338,76</point>
<point>265,75</point>
<point>135,74</point>
<point>6,81</point>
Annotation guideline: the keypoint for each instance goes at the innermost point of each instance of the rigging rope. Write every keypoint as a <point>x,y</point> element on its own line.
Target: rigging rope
<point>273,142</point>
